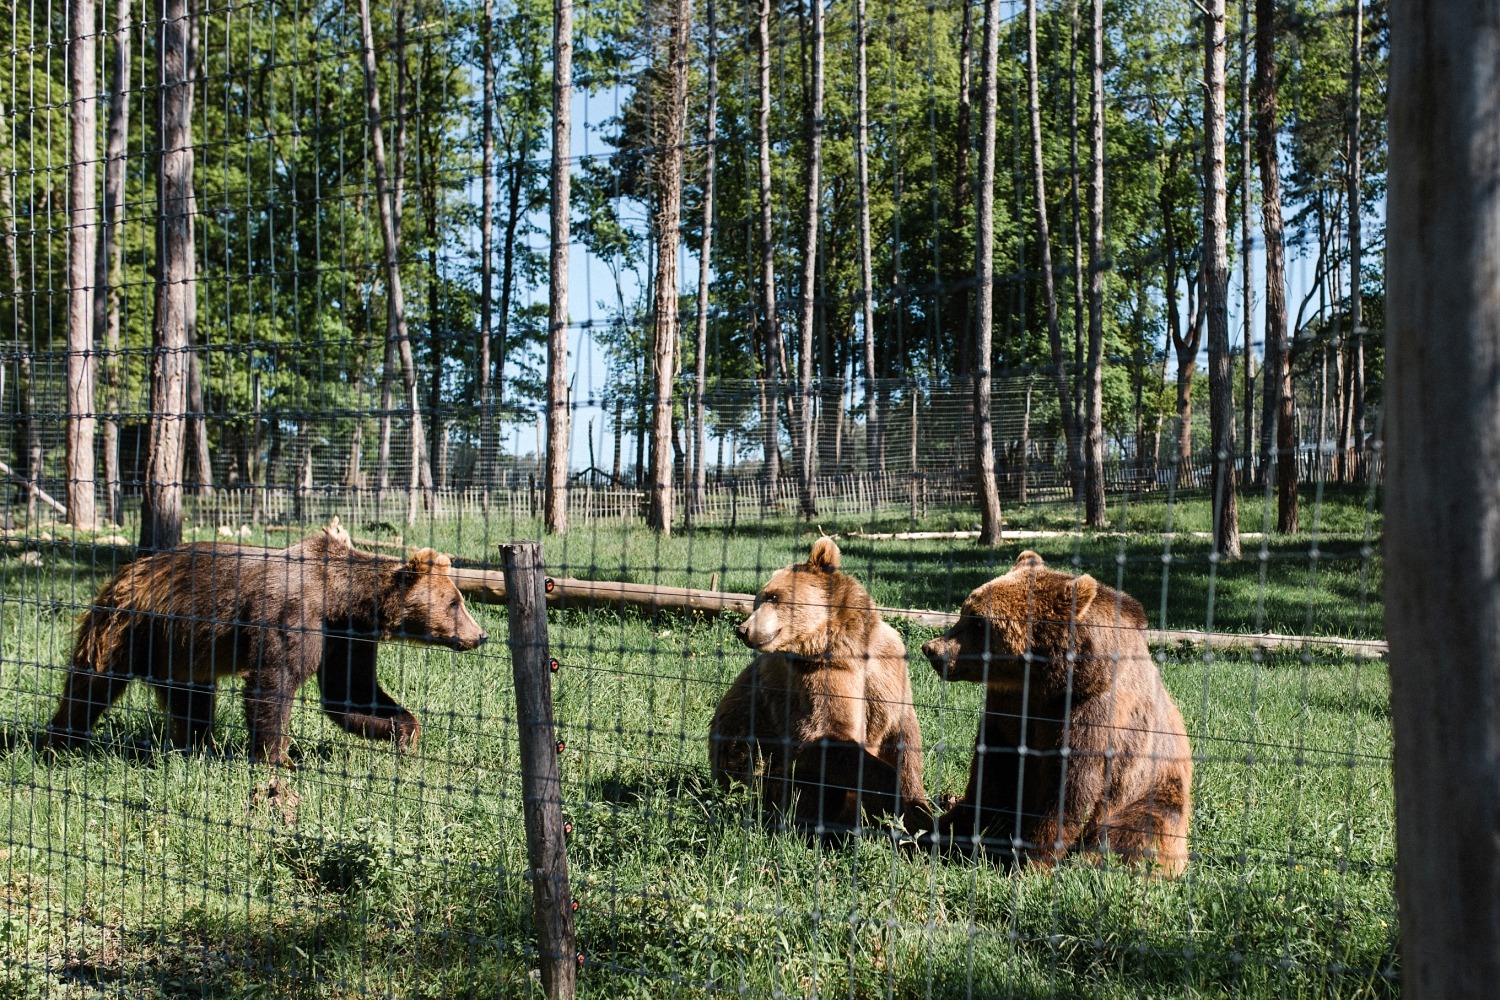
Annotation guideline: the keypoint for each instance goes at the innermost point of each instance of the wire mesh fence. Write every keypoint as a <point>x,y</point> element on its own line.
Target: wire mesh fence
<point>291,712</point>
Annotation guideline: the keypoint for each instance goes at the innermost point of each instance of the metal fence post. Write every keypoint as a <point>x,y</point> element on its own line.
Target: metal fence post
<point>541,785</point>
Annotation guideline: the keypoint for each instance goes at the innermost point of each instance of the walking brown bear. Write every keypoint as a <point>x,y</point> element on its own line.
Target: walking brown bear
<point>182,619</point>
<point>1076,720</point>
<point>823,714</point>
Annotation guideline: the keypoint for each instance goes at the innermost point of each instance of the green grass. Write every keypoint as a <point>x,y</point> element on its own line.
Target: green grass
<point>131,872</point>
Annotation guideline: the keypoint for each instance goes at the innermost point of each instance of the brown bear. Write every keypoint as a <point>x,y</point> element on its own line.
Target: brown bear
<point>182,619</point>
<point>1080,745</point>
<point>823,715</point>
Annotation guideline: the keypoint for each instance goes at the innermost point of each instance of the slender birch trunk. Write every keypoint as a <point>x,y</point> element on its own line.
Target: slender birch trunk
<point>963,193</point>
<point>811,221</point>
<point>669,139</point>
<point>1093,441</point>
<point>559,416</point>
<point>83,115</point>
<point>873,431</point>
<point>1044,242</point>
<point>161,502</point>
<point>771,336</point>
<point>705,253</point>
<point>110,275</point>
<point>396,329</point>
<point>1216,289</point>
<point>988,491</point>
<point>487,444</point>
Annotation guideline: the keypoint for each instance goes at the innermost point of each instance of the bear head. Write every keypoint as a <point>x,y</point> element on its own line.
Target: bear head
<point>802,606</point>
<point>1030,610</point>
<point>432,611</point>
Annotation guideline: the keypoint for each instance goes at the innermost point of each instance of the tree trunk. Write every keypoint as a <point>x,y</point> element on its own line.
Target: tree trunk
<point>705,253</point>
<point>1278,419</point>
<point>1077,361</point>
<point>1441,603</point>
<point>1093,441</point>
<point>83,112</point>
<point>811,221</point>
<point>1356,250</point>
<point>25,391</point>
<point>1248,396</point>
<point>161,503</point>
<point>484,471</point>
<point>514,211</point>
<point>669,139</point>
<point>1216,289</point>
<point>963,193</point>
<point>1044,242</point>
<point>395,313</point>
<point>110,275</point>
<point>203,474</point>
<point>988,491</point>
<point>873,446</point>
<point>559,417</point>
<point>771,335</point>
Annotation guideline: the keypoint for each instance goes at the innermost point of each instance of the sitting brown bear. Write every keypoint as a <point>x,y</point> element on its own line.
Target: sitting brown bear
<point>182,619</point>
<point>1080,745</point>
<point>826,706</point>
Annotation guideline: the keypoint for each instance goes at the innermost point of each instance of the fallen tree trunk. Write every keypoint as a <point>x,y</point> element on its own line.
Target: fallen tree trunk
<point>488,587</point>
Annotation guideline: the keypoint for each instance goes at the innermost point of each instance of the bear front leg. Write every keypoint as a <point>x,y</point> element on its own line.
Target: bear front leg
<point>1048,836</point>
<point>838,779</point>
<point>903,751</point>
<point>86,695</point>
<point>739,724</point>
<point>353,698</point>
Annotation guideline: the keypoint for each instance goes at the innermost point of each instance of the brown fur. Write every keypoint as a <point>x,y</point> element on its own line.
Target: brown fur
<point>182,619</point>
<point>1076,720</point>
<point>824,713</point>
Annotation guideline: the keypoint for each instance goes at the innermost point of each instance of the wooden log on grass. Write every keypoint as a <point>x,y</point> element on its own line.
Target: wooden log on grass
<point>541,783</point>
<point>488,587</point>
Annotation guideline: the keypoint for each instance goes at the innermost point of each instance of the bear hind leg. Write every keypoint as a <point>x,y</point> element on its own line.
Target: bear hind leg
<point>1152,829</point>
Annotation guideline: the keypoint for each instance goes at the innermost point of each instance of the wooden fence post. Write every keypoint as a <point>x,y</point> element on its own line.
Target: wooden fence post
<point>541,785</point>
<point>1442,508</point>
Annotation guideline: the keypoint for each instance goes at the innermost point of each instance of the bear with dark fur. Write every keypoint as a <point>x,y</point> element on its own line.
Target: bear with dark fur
<point>1080,746</point>
<point>182,619</point>
<point>823,715</point>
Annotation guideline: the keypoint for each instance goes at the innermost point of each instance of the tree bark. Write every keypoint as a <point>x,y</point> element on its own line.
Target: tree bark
<point>559,416</point>
<point>771,331</point>
<point>25,391</point>
<point>161,503</point>
<point>963,193</point>
<point>705,254</point>
<point>1077,361</point>
<point>1093,441</point>
<point>807,491</point>
<point>1278,416</point>
<point>1248,397</point>
<point>669,139</point>
<point>1356,249</point>
<point>1216,289</point>
<point>83,116</point>
<point>396,329</point>
<point>1442,494</point>
<point>484,471</point>
<point>110,275</point>
<point>875,450</point>
<point>987,490</point>
<point>1044,242</point>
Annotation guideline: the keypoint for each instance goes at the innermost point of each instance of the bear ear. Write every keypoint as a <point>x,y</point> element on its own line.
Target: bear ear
<point>1029,560</point>
<point>824,555</point>
<point>1077,596</point>
<point>336,533</point>
<point>428,561</point>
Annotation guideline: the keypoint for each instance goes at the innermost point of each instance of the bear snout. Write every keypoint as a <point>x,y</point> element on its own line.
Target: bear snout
<point>941,653</point>
<point>742,632</point>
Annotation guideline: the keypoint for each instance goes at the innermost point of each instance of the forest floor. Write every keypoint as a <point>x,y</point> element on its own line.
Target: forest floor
<point>130,870</point>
